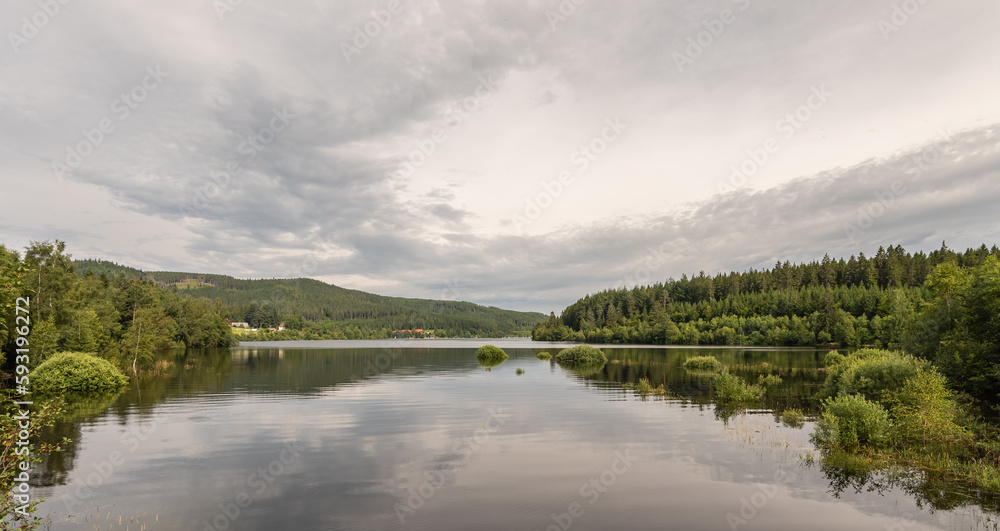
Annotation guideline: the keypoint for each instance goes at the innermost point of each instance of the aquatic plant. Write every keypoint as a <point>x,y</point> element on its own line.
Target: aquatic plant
<point>769,380</point>
<point>543,355</point>
<point>733,389</point>
<point>491,353</point>
<point>585,354</point>
<point>703,363</point>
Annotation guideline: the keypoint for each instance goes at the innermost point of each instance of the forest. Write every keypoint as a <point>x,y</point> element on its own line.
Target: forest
<point>311,309</point>
<point>943,306</point>
<point>120,319</point>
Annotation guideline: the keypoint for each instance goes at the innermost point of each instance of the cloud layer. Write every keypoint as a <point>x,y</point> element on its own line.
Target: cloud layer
<point>463,150</point>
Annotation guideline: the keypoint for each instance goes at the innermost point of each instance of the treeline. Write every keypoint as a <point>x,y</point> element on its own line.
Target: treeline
<point>329,311</point>
<point>854,302</point>
<point>121,319</point>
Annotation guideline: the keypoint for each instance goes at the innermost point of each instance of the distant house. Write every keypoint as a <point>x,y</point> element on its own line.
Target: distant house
<point>240,324</point>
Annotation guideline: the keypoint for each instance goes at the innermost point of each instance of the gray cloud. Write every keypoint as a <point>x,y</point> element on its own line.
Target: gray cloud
<point>325,190</point>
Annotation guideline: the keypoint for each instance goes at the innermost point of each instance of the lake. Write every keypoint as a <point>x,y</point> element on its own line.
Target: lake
<point>416,434</point>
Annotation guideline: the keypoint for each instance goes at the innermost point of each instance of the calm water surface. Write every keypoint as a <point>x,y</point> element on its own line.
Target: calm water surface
<point>415,434</point>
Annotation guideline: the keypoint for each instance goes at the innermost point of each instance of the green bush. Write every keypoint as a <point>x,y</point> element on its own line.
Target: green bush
<point>76,372</point>
<point>543,355</point>
<point>833,358</point>
<point>519,371</point>
<point>584,354</point>
<point>850,422</point>
<point>875,374</point>
<point>732,388</point>
<point>769,380</point>
<point>925,413</point>
<point>491,353</point>
<point>703,363</point>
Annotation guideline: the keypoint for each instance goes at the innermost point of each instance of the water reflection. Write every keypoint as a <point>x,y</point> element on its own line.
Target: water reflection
<point>419,436</point>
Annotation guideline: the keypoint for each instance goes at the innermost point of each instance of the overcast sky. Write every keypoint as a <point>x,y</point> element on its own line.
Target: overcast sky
<point>520,154</point>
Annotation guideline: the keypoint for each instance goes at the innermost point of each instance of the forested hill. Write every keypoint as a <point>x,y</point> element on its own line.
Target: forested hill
<point>856,301</point>
<point>267,301</point>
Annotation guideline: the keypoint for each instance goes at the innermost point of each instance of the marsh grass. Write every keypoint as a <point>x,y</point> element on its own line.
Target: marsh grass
<point>543,355</point>
<point>519,371</point>
<point>734,390</point>
<point>643,388</point>
<point>703,363</point>
<point>769,380</point>
<point>793,418</point>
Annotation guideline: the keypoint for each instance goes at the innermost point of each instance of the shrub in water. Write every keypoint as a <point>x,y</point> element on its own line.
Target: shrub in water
<point>519,371</point>
<point>585,354</point>
<point>491,353</point>
<point>769,380</point>
<point>76,372</point>
<point>732,388</point>
<point>872,373</point>
<point>703,363</point>
<point>924,412</point>
<point>793,418</point>
<point>850,422</point>
<point>833,358</point>
<point>543,355</point>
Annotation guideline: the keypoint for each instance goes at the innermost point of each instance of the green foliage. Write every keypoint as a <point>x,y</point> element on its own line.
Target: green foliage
<point>872,373</point>
<point>854,302</point>
<point>121,319</point>
<point>582,354</point>
<point>959,329</point>
<point>519,371</point>
<point>793,418</point>
<point>703,363</point>
<point>543,355</point>
<point>76,372</point>
<point>643,388</point>
<point>10,462</point>
<point>491,353</point>
<point>833,358</point>
<point>851,422</point>
<point>768,380</point>
<point>316,310</point>
<point>733,389</point>
<point>925,413</point>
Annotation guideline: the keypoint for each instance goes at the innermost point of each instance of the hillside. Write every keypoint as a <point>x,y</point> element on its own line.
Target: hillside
<point>313,300</point>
